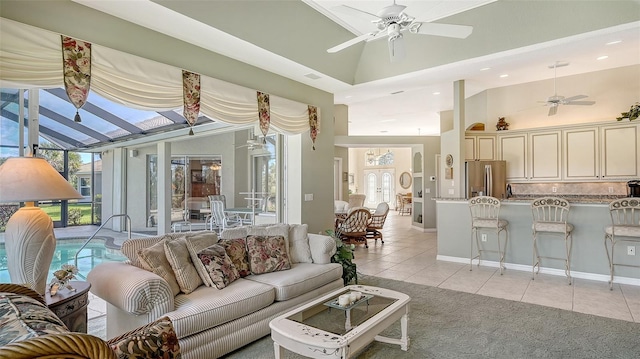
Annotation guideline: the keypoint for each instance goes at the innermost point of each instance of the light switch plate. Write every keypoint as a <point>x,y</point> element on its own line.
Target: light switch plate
<point>308,197</point>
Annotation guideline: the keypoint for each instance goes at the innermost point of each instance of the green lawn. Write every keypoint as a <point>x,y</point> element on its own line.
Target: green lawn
<point>54,211</point>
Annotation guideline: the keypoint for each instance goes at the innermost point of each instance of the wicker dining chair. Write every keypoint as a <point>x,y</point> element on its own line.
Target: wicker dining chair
<point>353,228</point>
<point>377,222</point>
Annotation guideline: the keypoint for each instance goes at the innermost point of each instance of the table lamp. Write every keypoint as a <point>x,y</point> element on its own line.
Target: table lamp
<point>29,237</point>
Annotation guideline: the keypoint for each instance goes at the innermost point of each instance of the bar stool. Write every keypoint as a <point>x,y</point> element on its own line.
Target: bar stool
<point>550,216</point>
<point>625,227</point>
<point>485,212</point>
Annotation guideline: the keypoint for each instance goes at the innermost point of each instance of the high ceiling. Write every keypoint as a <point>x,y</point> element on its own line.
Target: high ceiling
<point>515,38</point>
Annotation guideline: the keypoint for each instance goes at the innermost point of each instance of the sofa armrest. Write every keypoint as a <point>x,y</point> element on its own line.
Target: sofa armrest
<point>322,248</point>
<point>131,289</point>
<point>64,345</point>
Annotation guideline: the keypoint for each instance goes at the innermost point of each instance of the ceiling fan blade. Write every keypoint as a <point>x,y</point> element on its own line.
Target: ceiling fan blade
<point>351,42</point>
<point>577,97</point>
<point>581,103</point>
<point>396,50</point>
<point>447,30</point>
<point>553,110</point>
<point>348,10</point>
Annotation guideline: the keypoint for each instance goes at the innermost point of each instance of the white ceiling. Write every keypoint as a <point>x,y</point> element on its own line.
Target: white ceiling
<point>372,108</point>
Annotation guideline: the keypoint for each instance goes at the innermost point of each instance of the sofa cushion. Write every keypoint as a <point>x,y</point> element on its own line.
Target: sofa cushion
<point>299,249</point>
<point>196,243</point>
<point>180,260</point>
<point>208,307</point>
<point>271,230</point>
<point>237,250</point>
<point>154,340</point>
<point>302,278</point>
<point>267,254</point>
<point>154,260</point>
<point>22,317</point>
<point>221,270</point>
<point>231,233</point>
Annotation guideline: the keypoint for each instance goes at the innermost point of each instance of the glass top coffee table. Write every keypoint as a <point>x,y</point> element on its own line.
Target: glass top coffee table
<point>331,328</point>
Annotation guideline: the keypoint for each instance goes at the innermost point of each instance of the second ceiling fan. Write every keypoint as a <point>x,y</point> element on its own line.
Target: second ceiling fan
<point>554,101</point>
<point>392,21</point>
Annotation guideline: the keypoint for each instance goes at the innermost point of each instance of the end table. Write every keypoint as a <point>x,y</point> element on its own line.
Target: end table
<point>71,306</point>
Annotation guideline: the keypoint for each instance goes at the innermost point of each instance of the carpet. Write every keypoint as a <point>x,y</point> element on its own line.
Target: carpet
<point>449,324</point>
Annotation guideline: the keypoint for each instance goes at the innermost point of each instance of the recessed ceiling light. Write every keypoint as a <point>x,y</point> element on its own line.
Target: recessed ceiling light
<point>602,57</point>
<point>504,75</point>
<point>397,92</point>
<point>436,93</point>
<point>485,68</point>
<point>614,42</point>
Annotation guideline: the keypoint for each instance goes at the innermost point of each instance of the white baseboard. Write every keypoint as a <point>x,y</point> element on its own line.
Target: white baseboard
<point>544,270</point>
<point>424,230</point>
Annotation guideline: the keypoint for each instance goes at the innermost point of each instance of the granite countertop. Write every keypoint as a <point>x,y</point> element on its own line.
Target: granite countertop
<point>581,199</point>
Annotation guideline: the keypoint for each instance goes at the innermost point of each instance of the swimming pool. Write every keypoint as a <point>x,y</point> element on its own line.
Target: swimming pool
<point>100,249</point>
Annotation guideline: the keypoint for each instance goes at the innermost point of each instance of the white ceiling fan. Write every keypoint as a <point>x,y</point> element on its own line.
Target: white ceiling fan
<point>252,144</point>
<point>554,101</point>
<point>392,21</point>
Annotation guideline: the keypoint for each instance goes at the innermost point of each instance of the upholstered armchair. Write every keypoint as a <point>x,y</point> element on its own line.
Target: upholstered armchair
<point>356,200</point>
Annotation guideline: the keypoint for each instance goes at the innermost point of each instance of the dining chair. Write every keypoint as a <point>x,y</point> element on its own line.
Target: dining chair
<point>485,217</point>
<point>353,228</point>
<point>625,228</point>
<point>377,222</point>
<point>550,216</point>
<point>356,200</point>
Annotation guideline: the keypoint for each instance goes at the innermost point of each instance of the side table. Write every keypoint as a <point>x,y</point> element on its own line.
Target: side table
<point>71,306</point>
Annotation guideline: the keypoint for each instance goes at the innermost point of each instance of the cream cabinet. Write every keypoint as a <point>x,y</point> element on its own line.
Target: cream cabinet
<point>619,154</point>
<point>543,156</point>
<point>580,155</point>
<point>513,149</point>
<point>480,148</point>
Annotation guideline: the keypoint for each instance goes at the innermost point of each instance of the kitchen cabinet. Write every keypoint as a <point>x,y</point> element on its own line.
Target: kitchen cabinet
<point>480,147</point>
<point>580,154</point>
<point>543,156</point>
<point>619,152</point>
<point>513,149</point>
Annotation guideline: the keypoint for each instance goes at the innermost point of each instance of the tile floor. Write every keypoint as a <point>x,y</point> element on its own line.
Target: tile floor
<point>410,255</point>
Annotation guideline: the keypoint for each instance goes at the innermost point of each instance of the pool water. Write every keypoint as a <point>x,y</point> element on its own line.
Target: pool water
<point>99,250</point>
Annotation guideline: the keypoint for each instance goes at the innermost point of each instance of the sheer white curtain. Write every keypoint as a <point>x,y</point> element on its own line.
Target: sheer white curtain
<point>32,58</point>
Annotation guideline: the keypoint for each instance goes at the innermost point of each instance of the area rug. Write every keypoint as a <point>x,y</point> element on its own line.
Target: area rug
<point>449,324</point>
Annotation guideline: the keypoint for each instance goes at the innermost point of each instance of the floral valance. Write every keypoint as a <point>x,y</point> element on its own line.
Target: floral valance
<point>76,64</point>
<point>30,58</point>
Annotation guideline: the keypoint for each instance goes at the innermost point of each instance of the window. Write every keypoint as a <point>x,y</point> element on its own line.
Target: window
<point>85,187</point>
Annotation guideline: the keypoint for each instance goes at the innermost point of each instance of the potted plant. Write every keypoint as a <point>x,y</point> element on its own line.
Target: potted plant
<point>633,113</point>
<point>344,256</point>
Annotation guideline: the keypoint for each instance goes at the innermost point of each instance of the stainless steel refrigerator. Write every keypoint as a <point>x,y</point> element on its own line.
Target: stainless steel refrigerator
<point>486,178</point>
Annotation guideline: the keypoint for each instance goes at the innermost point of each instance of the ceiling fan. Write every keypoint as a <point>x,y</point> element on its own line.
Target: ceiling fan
<point>392,21</point>
<point>252,144</point>
<point>554,101</point>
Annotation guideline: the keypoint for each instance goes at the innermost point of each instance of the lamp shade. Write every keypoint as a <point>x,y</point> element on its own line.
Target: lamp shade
<point>32,179</point>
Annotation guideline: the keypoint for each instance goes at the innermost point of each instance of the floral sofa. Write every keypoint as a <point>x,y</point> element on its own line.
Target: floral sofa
<point>28,329</point>
<point>219,293</point>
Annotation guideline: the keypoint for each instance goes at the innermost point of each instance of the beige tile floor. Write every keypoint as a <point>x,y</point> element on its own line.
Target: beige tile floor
<point>410,255</point>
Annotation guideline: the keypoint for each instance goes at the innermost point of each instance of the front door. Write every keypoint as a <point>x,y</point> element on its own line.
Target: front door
<point>379,187</point>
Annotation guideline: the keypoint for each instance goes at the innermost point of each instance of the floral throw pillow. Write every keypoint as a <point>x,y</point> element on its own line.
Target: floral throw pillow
<point>154,340</point>
<point>267,254</point>
<point>218,265</point>
<point>237,251</point>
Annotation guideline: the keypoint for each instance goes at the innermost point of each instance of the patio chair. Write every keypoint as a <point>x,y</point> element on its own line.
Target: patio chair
<point>218,220</point>
<point>377,221</point>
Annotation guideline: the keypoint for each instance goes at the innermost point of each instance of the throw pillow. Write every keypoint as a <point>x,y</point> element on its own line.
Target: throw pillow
<point>154,340</point>
<point>271,230</point>
<point>196,243</point>
<point>237,250</point>
<point>299,249</point>
<point>219,265</point>
<point>231,233</point>
<point>267,254</point>
<point>154,260</point>
<point>180,260</point>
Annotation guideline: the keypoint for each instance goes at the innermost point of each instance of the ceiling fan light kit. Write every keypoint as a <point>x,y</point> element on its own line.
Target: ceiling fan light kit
<point>554,101</point>
<point>392,21</point>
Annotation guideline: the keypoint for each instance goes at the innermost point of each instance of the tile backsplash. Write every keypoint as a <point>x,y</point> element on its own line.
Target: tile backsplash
<point>570,188</point>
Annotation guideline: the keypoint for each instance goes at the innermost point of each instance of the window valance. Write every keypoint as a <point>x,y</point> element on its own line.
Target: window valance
<point>31,58</point>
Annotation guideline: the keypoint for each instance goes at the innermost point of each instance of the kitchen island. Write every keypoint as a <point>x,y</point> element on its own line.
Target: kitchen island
<point>588,260</point>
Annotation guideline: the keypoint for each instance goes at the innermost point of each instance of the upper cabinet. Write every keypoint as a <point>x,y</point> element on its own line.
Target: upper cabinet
<point>619,152</point>
<point>481,147</point>
<point>602,152</point>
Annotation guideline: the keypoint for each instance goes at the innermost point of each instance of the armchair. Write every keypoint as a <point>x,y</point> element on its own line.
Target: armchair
<point>353,228</point>
<point>377,222</point>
